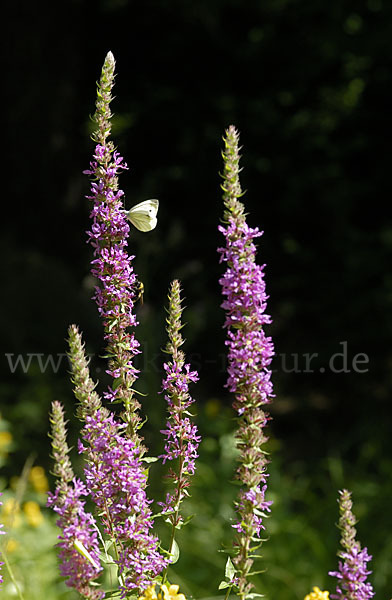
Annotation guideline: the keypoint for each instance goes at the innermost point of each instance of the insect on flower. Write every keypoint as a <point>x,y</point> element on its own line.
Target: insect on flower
<point>139,291</point>
<point>143,216</point>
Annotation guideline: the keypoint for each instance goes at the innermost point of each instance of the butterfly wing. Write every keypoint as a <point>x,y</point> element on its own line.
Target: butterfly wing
<point>143,216</point>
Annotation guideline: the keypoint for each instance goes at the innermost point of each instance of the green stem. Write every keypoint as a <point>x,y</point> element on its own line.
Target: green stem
<point>174,519</point>
<point>11,574</point>
<point>110,522</point>
<point>173,532</point>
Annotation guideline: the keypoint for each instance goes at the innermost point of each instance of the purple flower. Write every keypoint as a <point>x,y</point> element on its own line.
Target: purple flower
<point>112,265</point>
<point>250,353</point>
<point>76,526</point>
<point>116,479</point>
<point>352,571</point>
<point>351,575</point>
<point>248,501</point>
<point>181,438</point>
<point>244,288</point>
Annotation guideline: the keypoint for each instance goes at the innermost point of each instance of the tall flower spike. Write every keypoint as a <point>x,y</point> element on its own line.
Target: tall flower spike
<point>249,355</point>
<point>78,529</point>
<point>352,572</point>
<point>112,266</point>
<point>181,436</point>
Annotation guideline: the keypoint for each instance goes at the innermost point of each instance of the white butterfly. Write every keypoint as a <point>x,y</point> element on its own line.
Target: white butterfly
<point>143,216</point>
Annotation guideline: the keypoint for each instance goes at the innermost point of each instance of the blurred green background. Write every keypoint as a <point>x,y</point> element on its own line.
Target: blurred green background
<point>308,84</point>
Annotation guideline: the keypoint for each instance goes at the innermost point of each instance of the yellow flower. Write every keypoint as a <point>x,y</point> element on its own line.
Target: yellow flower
<point>38,479</point>
<point>33,513</point>
<point>170,593</point>
<point>149,593</point>
<point>166,593</point>
<point>317,594</point>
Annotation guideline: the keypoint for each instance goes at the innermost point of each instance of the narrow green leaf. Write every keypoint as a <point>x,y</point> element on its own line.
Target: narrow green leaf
<point>84,552</point>
<point>186,521</point>
<point>256,573</point>
<point>223,585</point>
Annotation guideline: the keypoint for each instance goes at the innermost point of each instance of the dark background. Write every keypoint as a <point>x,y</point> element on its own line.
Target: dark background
<point>308,85</point>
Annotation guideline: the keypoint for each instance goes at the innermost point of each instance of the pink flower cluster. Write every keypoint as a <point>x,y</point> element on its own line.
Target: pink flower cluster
<point>352,575</point>
<point>245,302</point>
<point>112,265</point>
<point>250,354</point>
<point>182,441</point>
<point>76,525</point>
<point>116,479</point>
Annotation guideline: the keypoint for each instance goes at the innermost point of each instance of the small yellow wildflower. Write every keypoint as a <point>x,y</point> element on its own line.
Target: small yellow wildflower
<point>38,479</point>
<point>33,513</point>
<point>317,594</point>
<point>170,593</point>
<point>166,593</point>
<point>149,593</point>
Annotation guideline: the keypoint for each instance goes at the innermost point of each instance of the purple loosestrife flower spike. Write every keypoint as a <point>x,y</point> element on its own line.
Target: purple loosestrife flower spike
<point>77,526</point>
<point>250,353</point>
<point>352,572</point>
<point>181,436</point>
<point>116,479</point>
<point>112,266</point>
